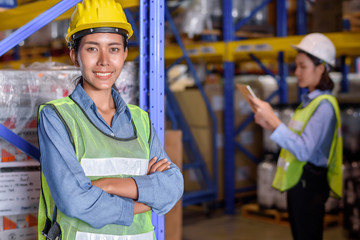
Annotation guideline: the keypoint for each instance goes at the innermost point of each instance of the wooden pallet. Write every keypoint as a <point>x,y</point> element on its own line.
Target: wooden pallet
<point>253,211</point>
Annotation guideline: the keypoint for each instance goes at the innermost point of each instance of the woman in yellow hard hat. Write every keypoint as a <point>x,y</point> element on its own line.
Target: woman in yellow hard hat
<point>103,166</point>
<point>310,161</point>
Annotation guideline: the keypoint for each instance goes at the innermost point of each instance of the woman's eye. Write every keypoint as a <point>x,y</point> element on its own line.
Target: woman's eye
<point>114,49</point>
<point>91,49</point>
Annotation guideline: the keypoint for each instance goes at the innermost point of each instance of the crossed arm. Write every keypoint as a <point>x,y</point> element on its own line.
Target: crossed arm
<point>126,187</point>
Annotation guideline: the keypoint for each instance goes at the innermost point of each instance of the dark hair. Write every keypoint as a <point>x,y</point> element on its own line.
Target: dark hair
<point>326,82</point>
<point>76,43</point>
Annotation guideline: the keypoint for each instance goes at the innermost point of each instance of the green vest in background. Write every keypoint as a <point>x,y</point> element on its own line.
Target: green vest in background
<point>289,169</point>
<point>101,155</point>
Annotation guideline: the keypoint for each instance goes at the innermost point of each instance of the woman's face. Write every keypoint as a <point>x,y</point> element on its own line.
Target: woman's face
<point>101,57</point>
<point>307,73</point>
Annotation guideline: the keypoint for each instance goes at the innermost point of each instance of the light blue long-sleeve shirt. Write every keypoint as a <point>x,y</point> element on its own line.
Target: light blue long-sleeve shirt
<point>72,190</point>
<point>313,145</point>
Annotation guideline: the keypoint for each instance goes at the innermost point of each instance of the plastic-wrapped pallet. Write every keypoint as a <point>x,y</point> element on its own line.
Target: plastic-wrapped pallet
<point>265,191</point>
<point>352,202</point>
<point>128,83</point>
<point>351,131</point>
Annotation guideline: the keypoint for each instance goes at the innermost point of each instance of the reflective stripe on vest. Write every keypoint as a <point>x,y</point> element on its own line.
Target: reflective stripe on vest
<point>289,169</point>
<point>91,236</point>
<point>102,155</point>
<point>283,164</point>
<point>114,166</point>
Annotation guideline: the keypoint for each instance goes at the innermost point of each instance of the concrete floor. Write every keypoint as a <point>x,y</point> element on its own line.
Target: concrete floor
<point>198,226</point>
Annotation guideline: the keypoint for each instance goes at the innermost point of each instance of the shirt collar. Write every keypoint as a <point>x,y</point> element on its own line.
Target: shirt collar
<point>85,102</point>
<point>307,98</point>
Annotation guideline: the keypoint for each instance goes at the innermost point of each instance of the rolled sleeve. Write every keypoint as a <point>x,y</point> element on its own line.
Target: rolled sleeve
<point>161,190</point>
<point>146,189</point>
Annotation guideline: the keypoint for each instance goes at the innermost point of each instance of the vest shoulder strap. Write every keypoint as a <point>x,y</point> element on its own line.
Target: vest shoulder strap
<point>141,118</point>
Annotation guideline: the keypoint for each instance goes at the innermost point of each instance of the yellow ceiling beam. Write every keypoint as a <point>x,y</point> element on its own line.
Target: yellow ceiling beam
<point>209,51</point>
<point>346,43</point>
<point>19,16</point>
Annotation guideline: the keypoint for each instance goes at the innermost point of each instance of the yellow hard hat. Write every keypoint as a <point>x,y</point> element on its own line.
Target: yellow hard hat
<point>91,16</point>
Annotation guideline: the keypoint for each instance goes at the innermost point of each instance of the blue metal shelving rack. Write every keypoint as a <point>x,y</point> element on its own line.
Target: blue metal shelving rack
<point>229,128</point>
<point>208,183</point>
<point>151,69</point>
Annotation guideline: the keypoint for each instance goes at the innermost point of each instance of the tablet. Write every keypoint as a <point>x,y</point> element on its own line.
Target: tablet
<point>246,90</point>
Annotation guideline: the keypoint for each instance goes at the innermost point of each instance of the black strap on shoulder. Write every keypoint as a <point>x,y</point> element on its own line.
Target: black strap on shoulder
<point>51,230</point>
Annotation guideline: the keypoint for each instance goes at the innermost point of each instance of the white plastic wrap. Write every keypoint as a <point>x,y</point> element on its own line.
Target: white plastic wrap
<point>198,17</point>
<point>265,192</point>
<point>281,201</point>
<point>21,92</point>
<point>243,8</point>
<point>128,83</point>
<point>351,130</point>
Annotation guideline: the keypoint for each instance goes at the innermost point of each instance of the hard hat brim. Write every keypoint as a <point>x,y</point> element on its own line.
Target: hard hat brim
<point>124,26</point>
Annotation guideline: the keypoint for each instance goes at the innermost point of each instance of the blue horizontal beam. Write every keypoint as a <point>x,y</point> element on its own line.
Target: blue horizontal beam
<point>246,189</point>
<point>252,14</point>
<point>247,153</point>
<point>19,142</point>
<point>34,25</point>
<point>196,197</point>
<point>187,166</point>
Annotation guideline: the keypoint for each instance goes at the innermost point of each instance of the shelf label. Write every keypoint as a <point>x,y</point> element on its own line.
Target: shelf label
<point>208,49</point>
<point>8,3</point>
<point>243,48</point>
<point>193,51</point>
<point>29,233</point>
<point>262,47</point>
<point>19,192</point>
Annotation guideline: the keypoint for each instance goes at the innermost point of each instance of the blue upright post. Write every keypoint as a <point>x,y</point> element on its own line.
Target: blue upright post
<point>229,168</point>
<point>283,72</point>
<point>301,17</point>
<point>144,55</point>
<point>157,85</point>
<point>301,27</point>
<point>281,31</point>
<point>345,69</point>
<point>281,18</point>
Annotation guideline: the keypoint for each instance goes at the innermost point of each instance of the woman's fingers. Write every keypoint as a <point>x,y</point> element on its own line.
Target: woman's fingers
<point>159,166</point>
<point>151,163</point>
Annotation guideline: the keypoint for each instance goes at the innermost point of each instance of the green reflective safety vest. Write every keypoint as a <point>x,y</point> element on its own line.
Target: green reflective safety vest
<point>289,169</point>
<point>101,155</point>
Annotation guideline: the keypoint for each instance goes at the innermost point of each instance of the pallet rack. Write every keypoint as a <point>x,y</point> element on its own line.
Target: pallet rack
<point>151,57</point>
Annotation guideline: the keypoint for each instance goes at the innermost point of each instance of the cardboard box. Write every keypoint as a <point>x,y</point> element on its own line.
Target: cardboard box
<point>327,16</point>
<point>201,128</point>
<point>193,108</point>
<point>173,219</point>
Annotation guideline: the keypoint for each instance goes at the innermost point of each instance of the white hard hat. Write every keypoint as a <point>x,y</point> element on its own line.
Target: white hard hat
<point>319,46</point>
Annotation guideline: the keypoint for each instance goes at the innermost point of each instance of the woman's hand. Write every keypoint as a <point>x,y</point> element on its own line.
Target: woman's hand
<point>264,114</point>
<point>159,166</point>
<point>141,208</point>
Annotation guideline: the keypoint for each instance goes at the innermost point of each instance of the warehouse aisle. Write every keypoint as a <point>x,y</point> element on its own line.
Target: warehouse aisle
<point>219,226</point>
